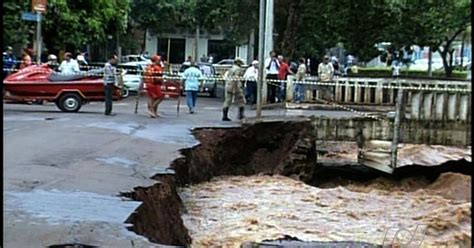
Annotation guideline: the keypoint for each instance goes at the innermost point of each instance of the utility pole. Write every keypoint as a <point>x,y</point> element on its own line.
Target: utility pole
<point>251,47</point>
<point>268,39</point>
<point>268,27</point>
<point>261,57</point>
<point>38,6</point>
<point>196,54</point>
<point>38,38</point>
<point>119,48</point>
<point>168,54</point>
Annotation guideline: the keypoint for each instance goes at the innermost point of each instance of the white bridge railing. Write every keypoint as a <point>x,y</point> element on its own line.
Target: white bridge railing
<point>425,99</point>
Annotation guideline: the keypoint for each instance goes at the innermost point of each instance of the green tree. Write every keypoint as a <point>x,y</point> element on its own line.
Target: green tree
<point>239,19</point>
<point>155,16</point>
<point>16,30</point>
<point>310,28</point>
<point>456,17</point>
<point>74,23</point>
<point>436,24</point>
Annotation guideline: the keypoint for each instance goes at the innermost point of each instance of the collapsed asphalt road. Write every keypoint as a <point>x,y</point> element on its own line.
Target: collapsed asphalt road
<point>63,172</point>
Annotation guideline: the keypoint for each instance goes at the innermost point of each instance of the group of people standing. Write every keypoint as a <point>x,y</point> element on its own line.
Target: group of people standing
<point>152,77</point>
<point>276,74</point>
<point>277,71</point>
<point>69,65</point>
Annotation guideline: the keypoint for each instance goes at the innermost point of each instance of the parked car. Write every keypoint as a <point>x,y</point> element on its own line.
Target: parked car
<point>222,66</point>
<point>100,65</point>
<point>208,70</point>
<point>225,62</point>
<point>132,75</point>
<point>135,58</point>
<point>68,92</point>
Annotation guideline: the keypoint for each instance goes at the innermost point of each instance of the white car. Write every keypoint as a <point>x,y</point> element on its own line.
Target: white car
<point>224,62</point>
<point>422,64</point>
<point>135,58</point>
<point>133,74</point>
<point>224,65</point>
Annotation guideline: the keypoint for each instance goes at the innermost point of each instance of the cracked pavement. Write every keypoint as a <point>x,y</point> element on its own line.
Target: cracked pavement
<point>63,172</point>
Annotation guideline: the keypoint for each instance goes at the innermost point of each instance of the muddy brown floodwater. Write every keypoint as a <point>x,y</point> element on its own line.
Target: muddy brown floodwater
<point>274,181</point>
<point>229,210</point>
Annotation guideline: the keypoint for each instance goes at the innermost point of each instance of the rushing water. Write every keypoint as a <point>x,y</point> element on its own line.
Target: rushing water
<point>231,210</point>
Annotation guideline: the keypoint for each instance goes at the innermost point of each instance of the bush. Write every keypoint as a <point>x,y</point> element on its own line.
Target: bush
<point>385,72</point>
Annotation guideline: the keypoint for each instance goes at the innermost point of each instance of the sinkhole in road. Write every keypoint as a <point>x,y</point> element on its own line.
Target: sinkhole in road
<point>260,185</point>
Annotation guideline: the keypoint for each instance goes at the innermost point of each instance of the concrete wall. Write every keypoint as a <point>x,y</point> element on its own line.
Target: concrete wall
<point>151,45</point>
<point>202,47</point>
<point>242,52</point>
<point>362,129</point>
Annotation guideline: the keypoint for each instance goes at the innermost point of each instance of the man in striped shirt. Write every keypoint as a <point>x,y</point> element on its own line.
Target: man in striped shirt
<point>110,73</point>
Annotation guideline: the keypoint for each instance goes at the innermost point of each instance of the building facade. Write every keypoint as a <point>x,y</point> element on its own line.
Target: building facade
<point>181,44</point>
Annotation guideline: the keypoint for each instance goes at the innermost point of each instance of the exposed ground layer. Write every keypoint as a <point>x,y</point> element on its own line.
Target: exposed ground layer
<point>285,148</point>
<point>158,218</point>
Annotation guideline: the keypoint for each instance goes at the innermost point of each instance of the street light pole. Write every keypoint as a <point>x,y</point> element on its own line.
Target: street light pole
<point>261,57</point>
<point>268,36</point>
<point>38,38</point>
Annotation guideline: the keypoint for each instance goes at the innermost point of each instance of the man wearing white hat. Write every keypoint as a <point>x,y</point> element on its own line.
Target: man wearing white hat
<point>250,76</point>
<point>233,90</point>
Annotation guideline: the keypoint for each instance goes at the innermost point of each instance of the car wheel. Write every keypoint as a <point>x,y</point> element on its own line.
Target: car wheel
<point>58,104</point>
<point>70,102</point>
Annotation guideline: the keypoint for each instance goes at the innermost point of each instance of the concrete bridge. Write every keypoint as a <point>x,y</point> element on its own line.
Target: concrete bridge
<point>430,112</point>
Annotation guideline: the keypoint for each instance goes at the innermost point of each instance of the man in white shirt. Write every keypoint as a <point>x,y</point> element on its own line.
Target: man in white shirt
<point>325,70</point>
<point>251,76</point>
<point>395,69</point>
<point>69,65</point>
<point>272,66</point>
<point>326,73</point>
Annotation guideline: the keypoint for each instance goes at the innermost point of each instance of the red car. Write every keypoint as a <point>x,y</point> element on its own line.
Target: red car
<point>68,92</point>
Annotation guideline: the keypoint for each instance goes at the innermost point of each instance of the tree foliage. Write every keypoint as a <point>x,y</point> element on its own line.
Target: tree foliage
<point>436,24</point>
<point>304,28</point>
<point>67,23</point>
<point>75,23</point>
<point>308,28</point>
<point>16,30</point>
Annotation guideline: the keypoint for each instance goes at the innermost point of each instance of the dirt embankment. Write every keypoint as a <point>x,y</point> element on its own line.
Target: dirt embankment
<point>158,217</point>
<point>285,148</point>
